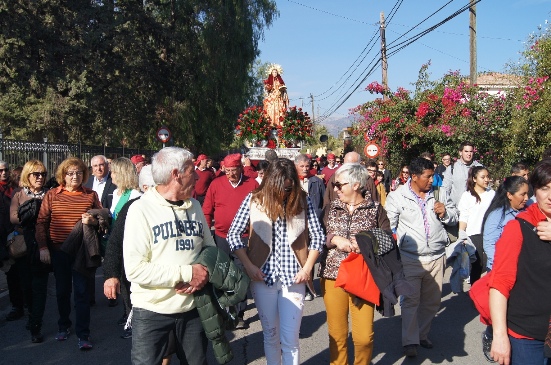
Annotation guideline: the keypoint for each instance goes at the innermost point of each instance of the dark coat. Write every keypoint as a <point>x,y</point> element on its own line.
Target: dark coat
<point>83,243</point>
<point>107,197</point>
<point>316,190</point>
<point>113,265</point>
<point>227,286</point>
<point>382,257</point>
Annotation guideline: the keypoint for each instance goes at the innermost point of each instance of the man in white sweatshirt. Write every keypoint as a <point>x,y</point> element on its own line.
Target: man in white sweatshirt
<point>164,234</point>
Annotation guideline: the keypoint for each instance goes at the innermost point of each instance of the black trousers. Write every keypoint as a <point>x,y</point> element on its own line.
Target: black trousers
<point>477,267</point>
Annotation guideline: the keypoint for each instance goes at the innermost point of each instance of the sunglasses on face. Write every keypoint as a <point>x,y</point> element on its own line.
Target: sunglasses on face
<point>4,170</point>
<point>338,185</point>
<point>39,174</point>
<point>405,172</point>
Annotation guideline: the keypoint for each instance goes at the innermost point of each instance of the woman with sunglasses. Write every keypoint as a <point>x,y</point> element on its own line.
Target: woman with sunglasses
<point>62,208</point>
<point>402,179</point>
<point>284,242</point>
<point>33,275</point>
<point>351,213</point>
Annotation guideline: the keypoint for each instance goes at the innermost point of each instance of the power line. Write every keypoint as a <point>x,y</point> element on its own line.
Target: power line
<point>374,40</point>
<point>360,55</point>
<point>398,47</point>
<point>422,21</point>
<point>396,6</point>
<point>333,14</point>
<point>462,34</point>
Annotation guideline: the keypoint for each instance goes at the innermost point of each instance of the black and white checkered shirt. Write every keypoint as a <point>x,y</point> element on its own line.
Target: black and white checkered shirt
<point>282,263</point>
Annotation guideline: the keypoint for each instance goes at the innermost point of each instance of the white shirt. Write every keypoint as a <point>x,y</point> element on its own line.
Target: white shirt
<point>99,185</point>
<point>472,212</point>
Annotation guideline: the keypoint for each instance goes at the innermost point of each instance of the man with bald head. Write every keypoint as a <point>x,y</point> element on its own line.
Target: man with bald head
<point>330,195</point>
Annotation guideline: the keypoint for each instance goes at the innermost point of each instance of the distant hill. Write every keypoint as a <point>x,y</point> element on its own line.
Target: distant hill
<point>335,125</point>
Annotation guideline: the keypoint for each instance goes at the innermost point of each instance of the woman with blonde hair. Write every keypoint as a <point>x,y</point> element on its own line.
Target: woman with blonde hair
<point>125,176</point>
<point>23,213</point>
<point>284,243</point>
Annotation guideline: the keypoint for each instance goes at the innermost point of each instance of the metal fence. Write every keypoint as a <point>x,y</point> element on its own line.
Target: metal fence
<point>17,153</point>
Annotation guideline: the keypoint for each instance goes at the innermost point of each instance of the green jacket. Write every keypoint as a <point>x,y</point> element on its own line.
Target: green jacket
<point>227,286</point>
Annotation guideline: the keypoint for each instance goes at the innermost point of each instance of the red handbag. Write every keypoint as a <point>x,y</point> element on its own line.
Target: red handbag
<point>355,278</point>
<point>480,295</point>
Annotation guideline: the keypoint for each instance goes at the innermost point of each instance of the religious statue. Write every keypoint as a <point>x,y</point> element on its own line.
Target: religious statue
<point>276,100</point>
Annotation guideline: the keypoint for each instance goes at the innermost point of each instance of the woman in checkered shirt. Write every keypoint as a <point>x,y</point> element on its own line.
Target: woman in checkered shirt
<point>284,242</point>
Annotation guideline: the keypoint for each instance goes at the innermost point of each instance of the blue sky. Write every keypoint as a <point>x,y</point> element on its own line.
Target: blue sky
<point>316,42</point>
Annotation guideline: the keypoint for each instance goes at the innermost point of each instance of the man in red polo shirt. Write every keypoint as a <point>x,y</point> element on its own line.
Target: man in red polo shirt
<point>206,176</point>
<point>224,196</point>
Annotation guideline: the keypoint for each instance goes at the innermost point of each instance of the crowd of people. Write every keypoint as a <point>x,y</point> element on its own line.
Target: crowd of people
<point>164,228</point>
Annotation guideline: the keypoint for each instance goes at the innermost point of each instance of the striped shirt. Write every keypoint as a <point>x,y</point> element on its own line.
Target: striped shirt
<point>60,211</point>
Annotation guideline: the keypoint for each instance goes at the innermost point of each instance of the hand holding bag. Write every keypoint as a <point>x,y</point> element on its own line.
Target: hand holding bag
<point>354,277</point>
<point>16,245</point>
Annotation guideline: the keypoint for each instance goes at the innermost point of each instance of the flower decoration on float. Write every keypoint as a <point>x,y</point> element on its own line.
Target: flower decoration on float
<point>296,125</point>
<point>253,125</point>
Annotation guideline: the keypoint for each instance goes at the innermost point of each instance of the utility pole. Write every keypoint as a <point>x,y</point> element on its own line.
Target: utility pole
<point>313,118</point>
<point>472,41</point>
<point>383,53</point>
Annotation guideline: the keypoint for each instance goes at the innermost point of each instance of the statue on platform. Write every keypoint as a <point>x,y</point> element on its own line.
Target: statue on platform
<point>276,100</point>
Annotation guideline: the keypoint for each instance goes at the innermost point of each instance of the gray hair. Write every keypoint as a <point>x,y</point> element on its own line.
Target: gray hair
<point>98,156</point>
<point>353,173</point>
<point>146,177</point>
<point>301,158</point>
<point>2,162</point>
<point>168,159</point>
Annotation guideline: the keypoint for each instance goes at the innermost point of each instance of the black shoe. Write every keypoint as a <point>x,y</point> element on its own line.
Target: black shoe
<point>122,320</point>
<point>36,335</point>
<point>113,302</point>
<point>410,350</point>
<point>426,344</point>
<point>15,314</point>
<point>127,333</point>
<point>487,346</point>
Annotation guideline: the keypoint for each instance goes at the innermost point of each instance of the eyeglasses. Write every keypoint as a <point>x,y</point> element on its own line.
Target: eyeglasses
<point>380,164</point>
<point>405,172</point>
<point>39,174</point>
<point>73,173</point>
<point>4,170</point>
<point>339,185</point>
<point>288,189</point>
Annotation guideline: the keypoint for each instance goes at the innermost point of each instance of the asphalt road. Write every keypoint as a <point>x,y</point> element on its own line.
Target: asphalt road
<point>455,333</point>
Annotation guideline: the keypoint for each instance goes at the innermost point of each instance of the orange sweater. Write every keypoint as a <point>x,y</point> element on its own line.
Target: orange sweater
<point>60,211</point>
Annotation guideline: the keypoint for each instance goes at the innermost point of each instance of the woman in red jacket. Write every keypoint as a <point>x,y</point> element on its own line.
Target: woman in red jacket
<point>520,286</point>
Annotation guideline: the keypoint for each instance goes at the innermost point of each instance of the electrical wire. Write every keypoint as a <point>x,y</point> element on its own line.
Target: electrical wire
<point>398,47</point>
<point>374,40</point>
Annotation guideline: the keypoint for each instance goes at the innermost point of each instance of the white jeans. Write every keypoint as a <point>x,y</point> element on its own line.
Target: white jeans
<point>280,312</point>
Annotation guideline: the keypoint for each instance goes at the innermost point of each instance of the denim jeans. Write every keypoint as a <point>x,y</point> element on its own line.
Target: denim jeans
<point>527,352</point>
<point>64,277</point>
<point>280,311</point>
<point>150,333</point>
